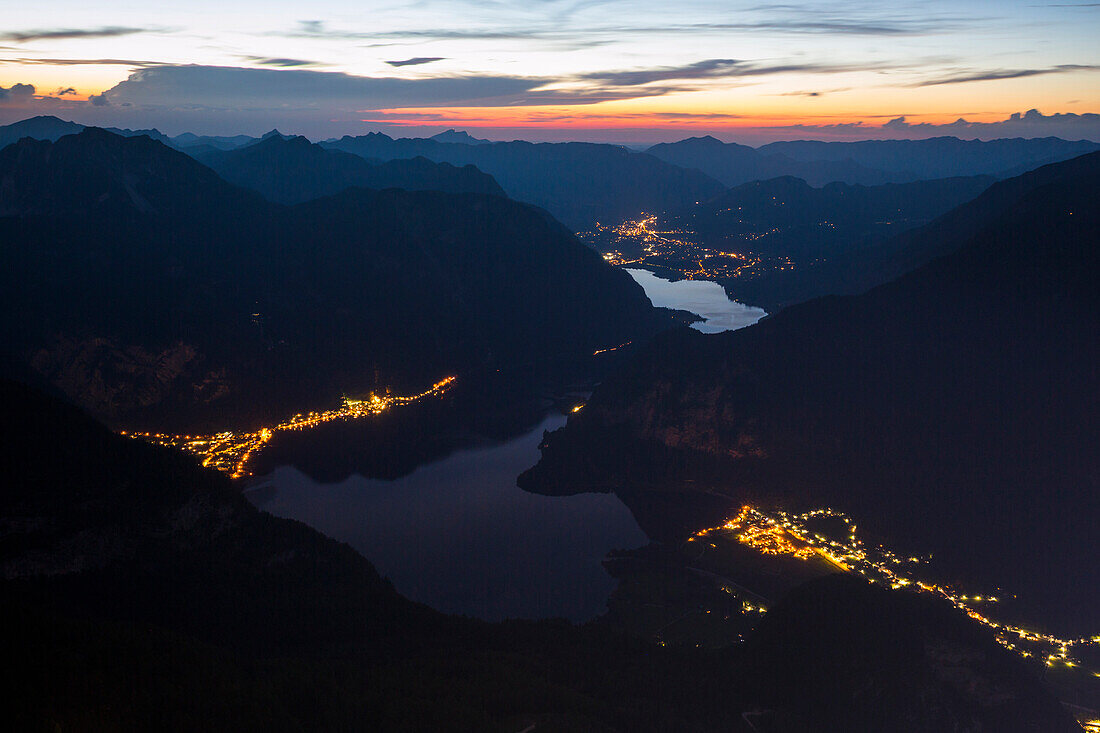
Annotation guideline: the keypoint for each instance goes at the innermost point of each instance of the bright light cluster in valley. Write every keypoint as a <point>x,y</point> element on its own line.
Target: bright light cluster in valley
<point>669,250</point>
<point>230,452</point>
<point>790,535</point>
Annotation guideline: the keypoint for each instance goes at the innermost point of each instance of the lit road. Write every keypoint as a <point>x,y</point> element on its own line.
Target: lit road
<point>230,452</point>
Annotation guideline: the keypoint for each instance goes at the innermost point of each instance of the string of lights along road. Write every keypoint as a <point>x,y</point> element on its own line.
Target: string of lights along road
<point>791,535</point>
<point>230,452</point>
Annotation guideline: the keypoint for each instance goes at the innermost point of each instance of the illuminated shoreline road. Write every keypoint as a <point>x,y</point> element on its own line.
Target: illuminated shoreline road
<point>230,452</point>
<point>790,535</point>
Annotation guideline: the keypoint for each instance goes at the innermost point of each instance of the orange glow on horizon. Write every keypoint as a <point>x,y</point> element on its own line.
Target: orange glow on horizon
<point>587,118</point>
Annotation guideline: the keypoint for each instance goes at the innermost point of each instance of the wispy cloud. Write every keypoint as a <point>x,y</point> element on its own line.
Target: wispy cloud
<point>799,22</point>
<point>284,63</point>
<point>417,61</point>
<point>813,93</point>
<point>56,34</point>
<point>997,74</point>
<point>719,68</point>
<point>83,62</point>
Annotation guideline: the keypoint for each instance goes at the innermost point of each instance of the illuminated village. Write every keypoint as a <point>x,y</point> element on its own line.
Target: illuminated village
<point>790,535</point>
<point>230,452</point>
<point>637,242</point>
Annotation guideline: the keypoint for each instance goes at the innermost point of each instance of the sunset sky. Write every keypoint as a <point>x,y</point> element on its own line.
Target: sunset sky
<point>626,71</point>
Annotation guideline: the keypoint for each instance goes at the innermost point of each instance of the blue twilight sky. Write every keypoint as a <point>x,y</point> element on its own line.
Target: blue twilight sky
<point>624,70</point>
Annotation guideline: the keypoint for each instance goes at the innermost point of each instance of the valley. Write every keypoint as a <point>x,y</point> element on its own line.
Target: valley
<point>609,515</point>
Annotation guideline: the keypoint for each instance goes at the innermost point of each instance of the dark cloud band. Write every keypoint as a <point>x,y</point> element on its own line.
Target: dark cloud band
<point>55,34</point>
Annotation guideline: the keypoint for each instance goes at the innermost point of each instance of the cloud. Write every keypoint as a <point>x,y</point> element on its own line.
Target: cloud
<point>553,28</point>
<point>85,62</point>
<point>417,61</point>
<point>99,100</point>
<point>57,34</point>
<point>713,69</point>
<point>1033,123</point>
<point>318,29</point>
<point>996,74</point>
<point>280,62</point>
<point>235,88</point>
<point>16,94</point>
<point>64,92</point>
<point>227,89</point>
<point>813,92</point>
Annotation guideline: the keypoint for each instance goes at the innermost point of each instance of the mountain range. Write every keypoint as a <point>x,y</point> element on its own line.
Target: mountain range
<point>952,410</point>
<point>579,183</point>
<point>786,217</point>
<point>156,294</point>
<point>582,184</point>
<point>293,170</point>
<point>868,162</point>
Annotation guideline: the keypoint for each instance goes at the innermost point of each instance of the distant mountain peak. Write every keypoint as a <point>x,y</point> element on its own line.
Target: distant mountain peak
<point>457,136</point>
<point>98,170</point>
<point>42,127</point>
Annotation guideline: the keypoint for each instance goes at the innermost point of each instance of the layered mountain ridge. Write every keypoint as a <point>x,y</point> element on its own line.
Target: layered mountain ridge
<point>951,410</point>
<point>155,293</point>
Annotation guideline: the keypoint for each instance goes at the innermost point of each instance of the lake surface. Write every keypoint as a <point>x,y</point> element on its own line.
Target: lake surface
<point>458,535</point>
<point>702,297</point>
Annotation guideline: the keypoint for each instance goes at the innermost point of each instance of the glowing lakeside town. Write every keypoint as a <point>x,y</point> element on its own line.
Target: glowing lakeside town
<point>637,242</point>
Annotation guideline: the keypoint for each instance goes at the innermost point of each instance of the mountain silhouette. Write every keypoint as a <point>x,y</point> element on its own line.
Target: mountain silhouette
<point>458,136</point>
<point>938,157</point>
<point>788,217</point>
<point>952,410</point>
<point>734,164</point>
<point>290,170</point>
<point>105,173</point>
<point>867,162</point>
<point>579,183</point>
<point>178,300</point>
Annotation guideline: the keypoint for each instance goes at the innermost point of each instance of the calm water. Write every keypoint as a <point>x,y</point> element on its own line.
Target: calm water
<point>702,297</point>
<point>459,535</point>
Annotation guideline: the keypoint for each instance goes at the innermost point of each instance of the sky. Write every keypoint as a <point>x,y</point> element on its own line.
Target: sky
<point>632,71</point>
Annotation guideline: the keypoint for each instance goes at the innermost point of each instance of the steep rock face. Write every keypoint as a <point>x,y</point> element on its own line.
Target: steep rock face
<point>112,380</point>
<point>952,409</point>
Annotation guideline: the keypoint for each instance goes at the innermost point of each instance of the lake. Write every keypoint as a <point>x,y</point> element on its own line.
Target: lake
<point>458,535</point>
<point>702,297</point>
